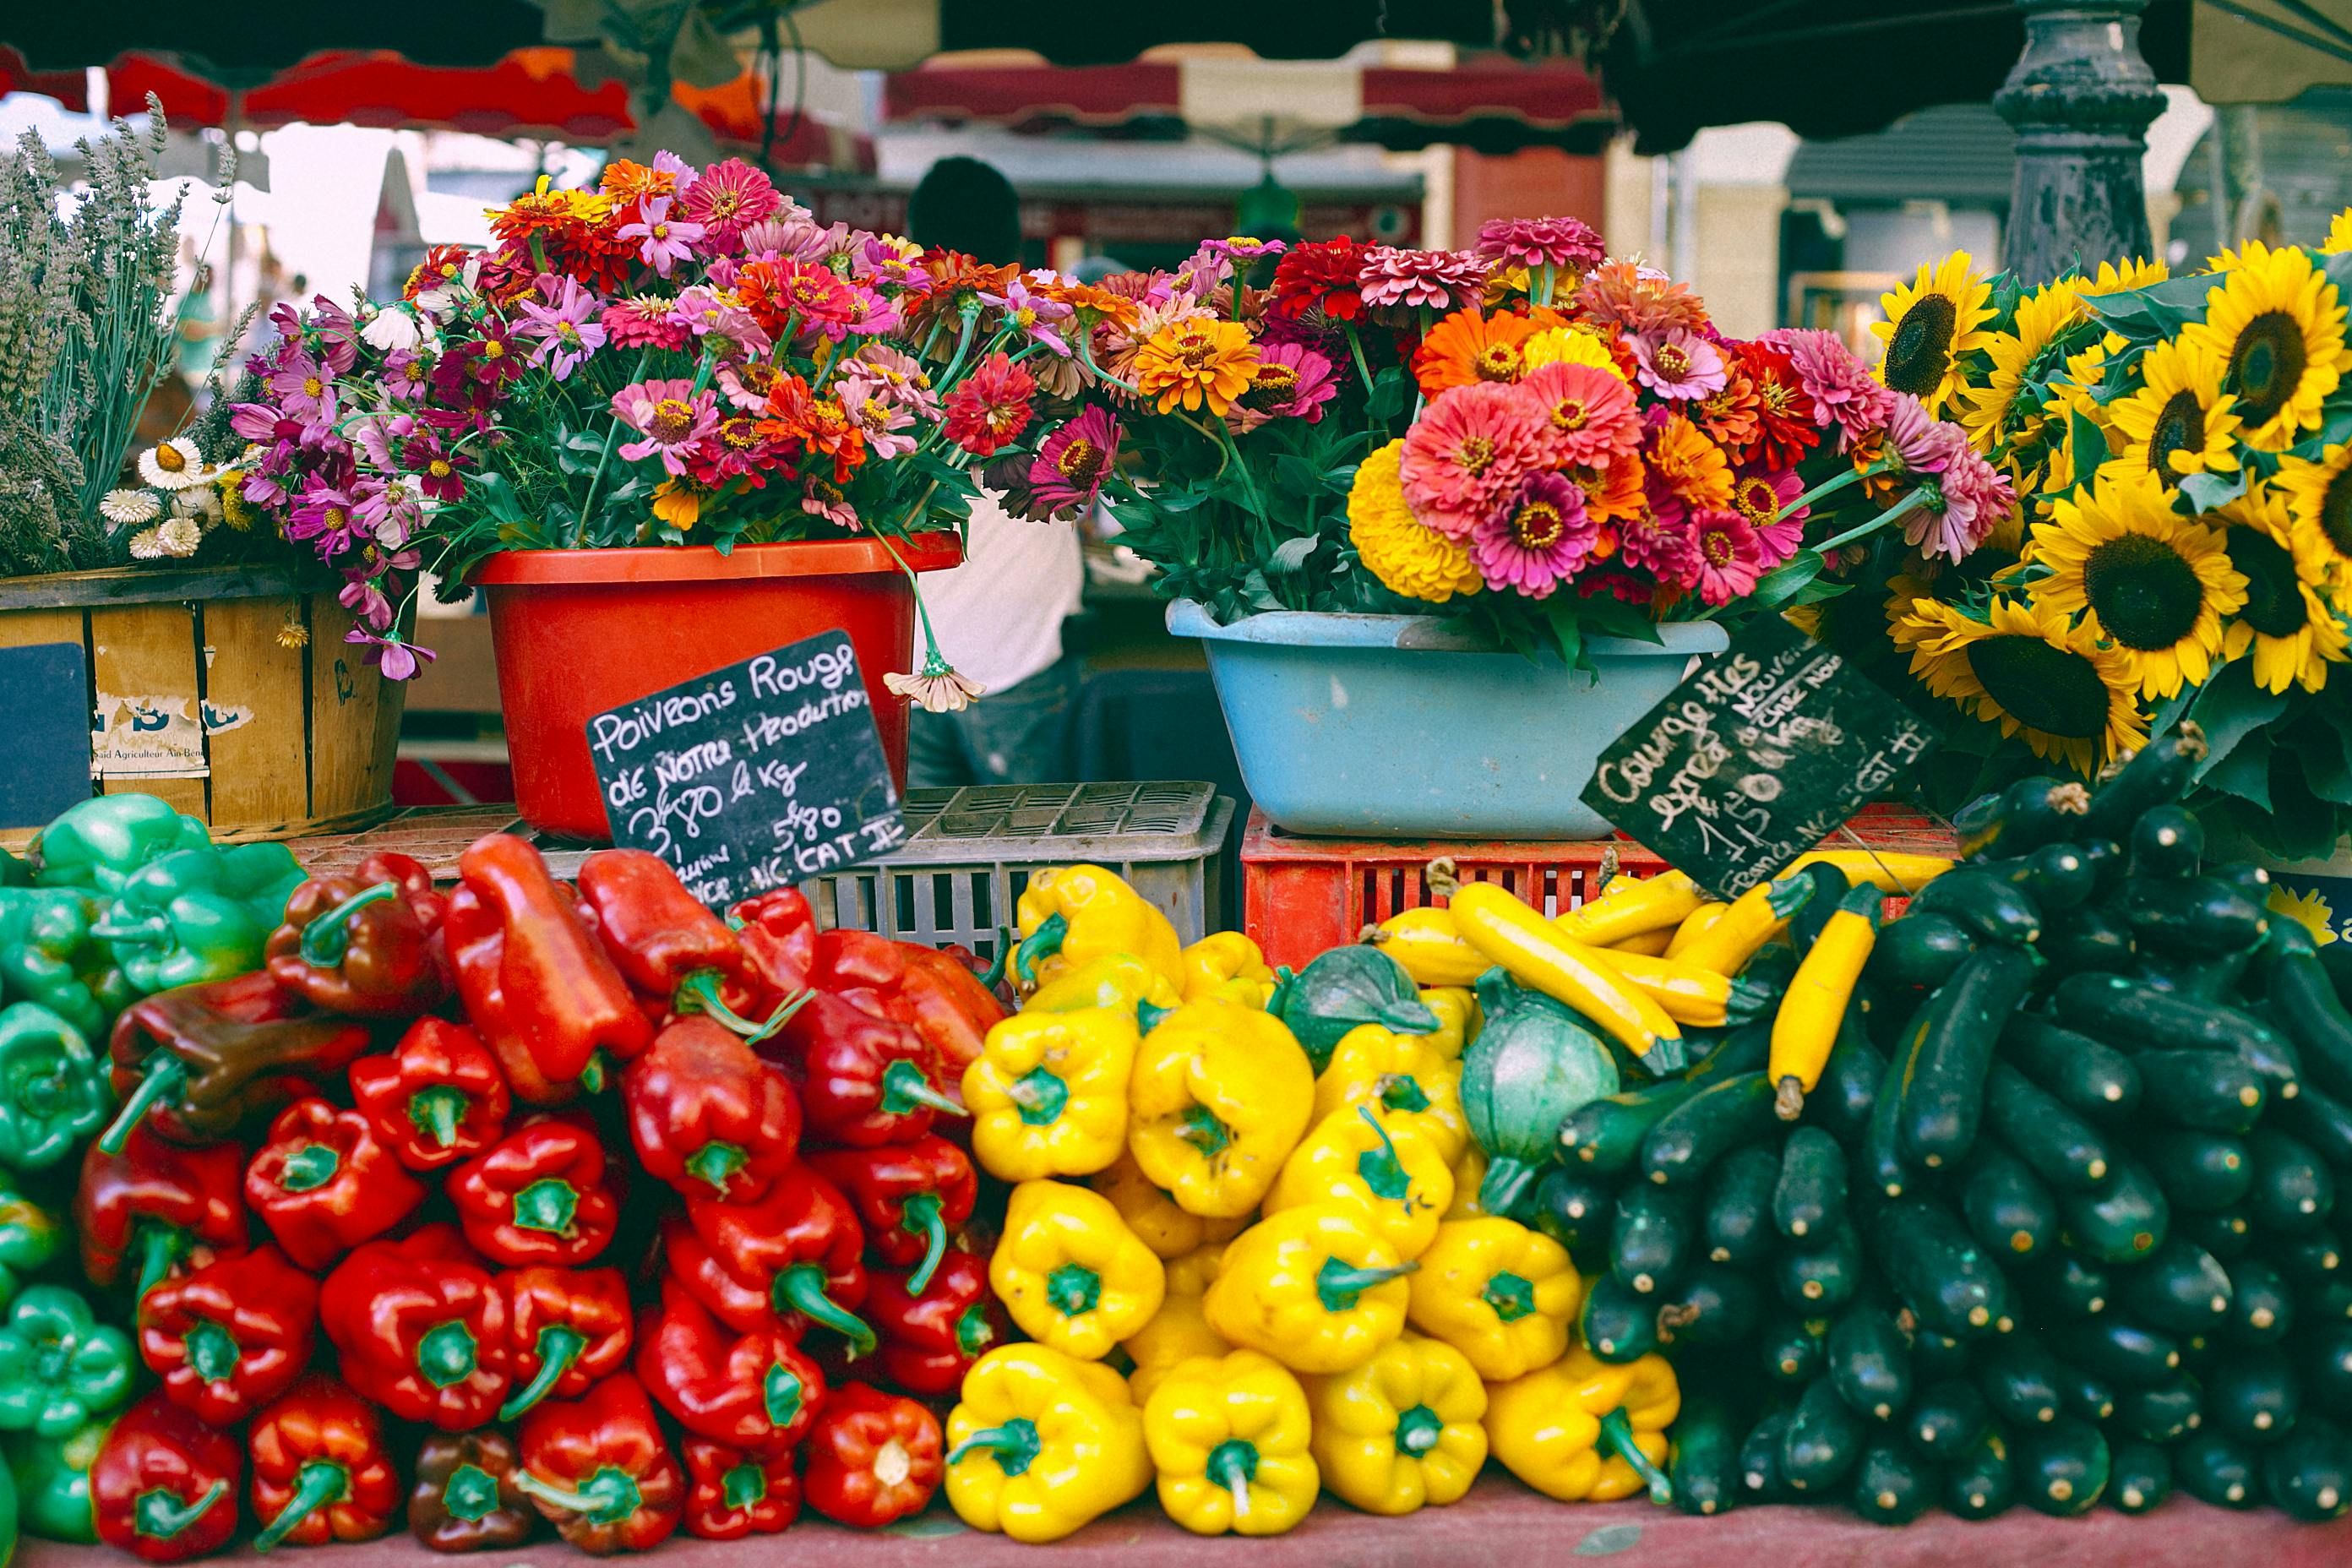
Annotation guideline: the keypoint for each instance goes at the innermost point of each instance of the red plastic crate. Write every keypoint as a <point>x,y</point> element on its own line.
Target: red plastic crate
<point>1302,896</point>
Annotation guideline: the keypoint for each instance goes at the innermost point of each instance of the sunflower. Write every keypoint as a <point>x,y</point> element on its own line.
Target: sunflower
<point>2110,279</point>
<point>1930,324</point>
<point>1467,347</point>
<point>2148,581</point>
<point>2026,669</point>
<point>2179,421</point>
<point>2292,619</point>
<point>1904,594</point>
<point>1991,413</point>
<point>2339,235</point>
<point>2309,910</point>
<point>2276,323</point>
<point>2319,497</point>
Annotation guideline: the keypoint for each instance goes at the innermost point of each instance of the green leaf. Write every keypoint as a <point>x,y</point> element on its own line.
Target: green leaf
<point>2210,492</point>
<point>1780,583</point>
<point>2245,772</point>
<point>1291,554</point>
<point>2231,707</point>
<point>1392,393</point>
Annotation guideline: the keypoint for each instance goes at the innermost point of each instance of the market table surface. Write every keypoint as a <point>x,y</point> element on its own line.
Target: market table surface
<point>1500,1525</point>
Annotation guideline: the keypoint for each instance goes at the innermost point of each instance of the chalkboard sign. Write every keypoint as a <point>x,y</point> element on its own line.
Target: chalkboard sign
<point>754,776</point>
<point>1755,758</point>
<point>45,693</point>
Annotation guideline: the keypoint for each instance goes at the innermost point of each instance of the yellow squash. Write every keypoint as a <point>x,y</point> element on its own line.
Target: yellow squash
<point>1753,919</point>
<point>1630,906</point>
<point>1698,924</point>
<point>1806,1026</point>
<point>1432,950</point>
<point>1888,872</point>
<point>1537,954</point>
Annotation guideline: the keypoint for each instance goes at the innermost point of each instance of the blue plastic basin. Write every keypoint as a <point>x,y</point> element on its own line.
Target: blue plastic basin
<point>1395,727</point>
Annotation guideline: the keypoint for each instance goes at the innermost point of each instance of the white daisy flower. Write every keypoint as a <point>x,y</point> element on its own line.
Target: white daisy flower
<point>202,503</point>
<point>391,329</point>
<point>175,464</point>
<point>147,544</point>
<point>179,536</point>
<point>128,507</point>
<point>937,688</point>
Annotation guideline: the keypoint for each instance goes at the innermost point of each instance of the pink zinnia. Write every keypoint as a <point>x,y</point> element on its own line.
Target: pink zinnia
<point>729,197</point>
<point>1291,381</point>
<point>706,311</point>
<point>1540,242</point>
<point>1730,557</point>
<point>901,376</point>
<point>1033,316</point>
<point>990,406</point>
<point>1759,497</point>
<point>1916,440</point>
<point>883,422</point>
<point>827,501</point>
<point>747,386</point>
<point>1535,539</point>
<point>1466,452</point>
<point>1660,541</point>
<point>644,321</point>
<point>1843,392</point>
<point>1068,473</point>
<point>1965,502</point>
<point>1438,278</point>
<point>1589,416</point>
<point>672,417</point>
<point>1677,364</point>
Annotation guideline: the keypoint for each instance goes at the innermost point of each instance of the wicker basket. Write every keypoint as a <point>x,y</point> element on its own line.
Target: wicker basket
<point>259,738</point>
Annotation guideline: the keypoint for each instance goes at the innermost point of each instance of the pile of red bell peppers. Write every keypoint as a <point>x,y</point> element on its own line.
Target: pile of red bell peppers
<point>644,1218</point>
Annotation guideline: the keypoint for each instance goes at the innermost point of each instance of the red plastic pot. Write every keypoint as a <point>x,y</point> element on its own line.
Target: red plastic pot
<point>581,631</point>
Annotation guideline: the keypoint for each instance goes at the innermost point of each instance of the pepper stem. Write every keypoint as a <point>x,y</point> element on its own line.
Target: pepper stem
<point>559,1348</point>
<point>905,1085</point>
<point>1339,1285</point>
<point>328,936</point>
<point>1617,1435</point>
<point>438,1111</point>
<point>801,1288</point>
<point>698,993</point>
<point>1382,1174</point>
<point>318,1483</point>
<point>1148,1016</point>
<point>159,1515</point>
<point>159,1247</point>
<point>993,975</point>
<point>163,1075</point>
<point>919,1216</point>
<point>1014,1445</point>
<point>715,1164</point>
<point>1232,1464</point>
<point>1042,942</point>
<point>608,1497</point>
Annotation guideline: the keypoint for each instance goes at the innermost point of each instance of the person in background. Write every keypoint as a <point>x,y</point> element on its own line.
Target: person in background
<point>999,616</point>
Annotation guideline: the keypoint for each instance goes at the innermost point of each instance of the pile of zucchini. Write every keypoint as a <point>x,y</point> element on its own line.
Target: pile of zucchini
<point>2053,1225</point>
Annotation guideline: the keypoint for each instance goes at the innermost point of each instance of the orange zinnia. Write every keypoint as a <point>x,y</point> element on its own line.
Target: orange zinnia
<point>1691,467</point>
<point>1466,347</point>
<point>1202,360</point>
<point>1614,494</point>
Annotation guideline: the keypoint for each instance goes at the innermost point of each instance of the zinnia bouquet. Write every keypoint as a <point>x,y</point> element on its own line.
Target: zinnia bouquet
<point>679,356</point>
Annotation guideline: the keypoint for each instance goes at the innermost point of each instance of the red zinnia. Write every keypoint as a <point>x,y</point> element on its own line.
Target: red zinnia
<point>1788,425</point>
<point>1318,275</point>
<point>820,425</point>
<point>990,407</point>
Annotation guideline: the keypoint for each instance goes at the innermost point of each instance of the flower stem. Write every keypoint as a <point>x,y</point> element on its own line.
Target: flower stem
<point>1908,504</point>
<point>1832,485</point>
<point>612,434</point>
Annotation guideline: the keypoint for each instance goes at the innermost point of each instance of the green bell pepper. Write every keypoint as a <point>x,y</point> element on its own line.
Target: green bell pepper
<point>53,1093</point>
<point>195,915</point>
<point>49,954</point>
<point>59,1365</point>
<point>14,873</point>
<point>30,1236</point>
<point>101,842</point>
<point>52,1477</point>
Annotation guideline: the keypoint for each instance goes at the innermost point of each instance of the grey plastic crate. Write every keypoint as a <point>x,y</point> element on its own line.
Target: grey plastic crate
<point>971,851</point>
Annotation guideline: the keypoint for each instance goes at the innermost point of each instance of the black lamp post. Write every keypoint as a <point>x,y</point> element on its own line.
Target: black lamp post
<point>2082,99</point>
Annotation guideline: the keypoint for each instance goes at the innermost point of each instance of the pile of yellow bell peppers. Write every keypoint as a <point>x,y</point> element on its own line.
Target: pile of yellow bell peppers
<point>1290,1267</point>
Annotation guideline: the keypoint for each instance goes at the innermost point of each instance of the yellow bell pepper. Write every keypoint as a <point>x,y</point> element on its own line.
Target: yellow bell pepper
<point>1115,980</point>
<point>1630,906</point>
<point>1229,1439</point>
<point>1403,1077</point>
<point>1070,1272</point>
<point>1426,941</point>
<point>1040,1444</point>
<point>1317,1288</point>
<point>1814,1006</point>
<point>1751,920</point>
<point>1458,1020</point>
<point>1391,1172</point>
<point>1048,1095</point>
<point>1192,1274</point>
<point>1502,1295</point>
<point>1157,1221</point>
<point>1221,1095</point>
<point>1227,964</point>
<point>1583,1431</point>
<point>1178,1332</point>
<point>1401,1430</point>
<point>1888,872</point>
<point>1699,921</point>
<point>1538,955</point>
<point>1069,914</point>
<point>1469,1176</point>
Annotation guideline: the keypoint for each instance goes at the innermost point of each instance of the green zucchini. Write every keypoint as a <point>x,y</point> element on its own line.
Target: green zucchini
<point>2252,1396</point>
<point>2294,1190</point>
<point>2324,1357</point>
<point>2311,1258</point>
<point>1618,1322</point>
<point>2072,1287</point>
<point>1952,1046</point>
<point>2092,940</point>
<point>1848,1088</point>
<point>2179,1288</point>
<point>1736,1210</point>
<point>2246,876</point>
<point>1822,1274</point>
<point>1982,902</point>
<point>2166,842</point>
<point>1878,1160</point>
<point>1919,952</point>
<point>2121,1220</point>
<point>1809,1197</point>
<point>2023,817</point>
<point>1982,1482</point>
<point>2307,1475</point>
<point>2019,1379</point>
<point>2224,1233</point>
<point>2163,1413</point>
<point>1794,1348</point>
<point>1891,1485</point>
<point>2299,993</point>
<point>1576,1209</point>
<point>2108,860</point>
<point>2086,1077</point>
<point>1705,1462</point>
<point>1947,1418</point>
<point>1712,1307</point>
<point>2212,1469</point>
<point>2056,877</point>
<point>1823,1442</point>
<point>1656,1239</point>
<point>2139,1475</point>
<point>1605,1136</point>
<point>2156,774</point>
<point>1829,887</point>
<point>2212,1092</point>
<point>2261,1304</point>
<point>1769,971</point>
<point>1708,1125</point>
<point>2212,978</point>
<point>1744,1049</point>
<point>1346,987</point>
<point>2083,1396</point>
<point>2064,1150</point>
<point>2199,916</point>
<point>2011,1210</point>
<point>1938,1271</point>
<point>2321,1121</point>
<point>2199,1172</point>
<point>2331,1303</point>
<point>1934,1355</point>
<point>2127,1013</point>
<point>1759,1459</point>
<point>2061,1469</point>
<point>1869,1362</point>
<point>2123,1352</point>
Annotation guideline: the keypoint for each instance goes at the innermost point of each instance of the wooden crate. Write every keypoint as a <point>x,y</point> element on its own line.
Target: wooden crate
<point>269,723</point>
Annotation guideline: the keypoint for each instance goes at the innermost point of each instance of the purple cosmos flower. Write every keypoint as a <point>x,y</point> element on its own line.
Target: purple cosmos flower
<point>385,513</point>
<point>435,467</point>
<point>324,512</point>
<point>567,331</point>
<point>667,240</point>
<point>337,334</point>
<point>1032,315</point>
<point>1677,363</point>
<point>1067,472</point>
<point>672,416</point>
<point>1536,539</point>
<point>398,660</point>
<point>378,436</point>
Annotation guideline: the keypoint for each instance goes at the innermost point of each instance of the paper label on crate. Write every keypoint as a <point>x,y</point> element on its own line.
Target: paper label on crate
<point>758,775</point>
<point>148,738</point>
<point>1760,754</point>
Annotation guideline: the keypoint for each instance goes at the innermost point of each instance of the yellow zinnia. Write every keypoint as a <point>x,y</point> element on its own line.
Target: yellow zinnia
<point>1930,324</point>
<point>2319,497</point>
<point>2144,578</point>
<point>2276,323</point>
<point>1408,558</point>
<point>1570,345</point>
<point>2026,669</point>
<point>1197,363</point>
<point>2179,421</point>
<point>2292,620</point>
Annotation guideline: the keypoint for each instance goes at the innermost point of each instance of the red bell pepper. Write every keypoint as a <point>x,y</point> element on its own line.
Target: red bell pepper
<point>794,1257</point>
<point>598,1468</point>
<point>567,1328</point>
<point>873,1457</point>
<point>864,1080</point>
<point>754,1391</point>
<point>420,1327</point>
<point>198,1063</point>
<point>679,956</point>
<point>156,1204</point>
<point>164,1486</point>
<point>778,930</point>
<point>909,1196</point>
<point>732,1493</point>
<point>323,1184</point>
<point>365,943</point>
<point>542,1193</point>
<point>535,982</point>
<point>931,1337</point>
<point>436,1098</point>
<point>228,1338</point>
<point>921,987</point>
<point>321,1471</point>
<point>466,1499</point>
<point>707,1116</point>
